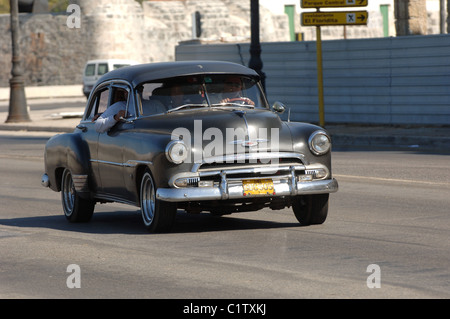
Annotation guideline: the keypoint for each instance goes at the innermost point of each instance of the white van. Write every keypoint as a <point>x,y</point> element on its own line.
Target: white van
<point>94,69</point>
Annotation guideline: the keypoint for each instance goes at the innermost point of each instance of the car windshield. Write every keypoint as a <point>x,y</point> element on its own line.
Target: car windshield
<point>189,92</point>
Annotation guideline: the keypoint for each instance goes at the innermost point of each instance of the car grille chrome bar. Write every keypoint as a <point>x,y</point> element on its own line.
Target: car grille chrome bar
<point>249,159</point>
<point>270,169</point>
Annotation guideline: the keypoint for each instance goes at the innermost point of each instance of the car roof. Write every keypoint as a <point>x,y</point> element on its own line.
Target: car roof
<point>112,61</point>
<point>141,73</point>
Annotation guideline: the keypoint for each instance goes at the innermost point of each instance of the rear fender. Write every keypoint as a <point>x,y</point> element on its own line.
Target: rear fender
<point>66,151</point>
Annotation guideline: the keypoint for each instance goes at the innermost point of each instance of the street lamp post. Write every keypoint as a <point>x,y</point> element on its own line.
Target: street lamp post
<point>255,62</point>
<point>17,101</point>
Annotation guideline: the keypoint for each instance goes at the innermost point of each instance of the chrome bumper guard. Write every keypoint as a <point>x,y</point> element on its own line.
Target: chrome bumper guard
<point>45,181</point>
<point>226,190</point>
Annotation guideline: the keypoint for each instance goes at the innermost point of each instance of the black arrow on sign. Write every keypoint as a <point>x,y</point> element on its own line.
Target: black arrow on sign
<point>362,18</point>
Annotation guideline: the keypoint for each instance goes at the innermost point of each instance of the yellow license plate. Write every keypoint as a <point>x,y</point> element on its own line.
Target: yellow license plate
<point>258,187</point>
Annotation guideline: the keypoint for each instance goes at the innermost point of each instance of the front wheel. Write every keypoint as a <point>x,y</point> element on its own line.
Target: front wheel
<point>311,209</point>
<point>158,216</point>
<point>76,209</point>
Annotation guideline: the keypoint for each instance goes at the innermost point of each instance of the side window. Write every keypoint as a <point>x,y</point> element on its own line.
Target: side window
<point>102,68</point>
<point>90,70</point>
<point>103,101</point>
<point>92,108</point>
<point>152,98</point>
<point>120,94</point>
<point>99,103</point>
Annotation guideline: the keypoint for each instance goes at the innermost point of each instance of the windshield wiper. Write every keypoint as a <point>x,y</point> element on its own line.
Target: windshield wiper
<point>232,104</point>
<point>186,106</point>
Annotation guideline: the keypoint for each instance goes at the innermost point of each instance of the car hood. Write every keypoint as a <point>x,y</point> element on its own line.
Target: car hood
<point>224,130</point>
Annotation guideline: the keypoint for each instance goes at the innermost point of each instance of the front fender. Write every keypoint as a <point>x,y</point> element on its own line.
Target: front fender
<point>300,135</point>
<point>65,151</point>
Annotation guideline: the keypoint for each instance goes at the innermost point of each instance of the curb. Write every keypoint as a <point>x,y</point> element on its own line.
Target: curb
<point>30,128</point>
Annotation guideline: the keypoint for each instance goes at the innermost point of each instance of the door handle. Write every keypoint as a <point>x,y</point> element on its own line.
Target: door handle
<point>82,127</point>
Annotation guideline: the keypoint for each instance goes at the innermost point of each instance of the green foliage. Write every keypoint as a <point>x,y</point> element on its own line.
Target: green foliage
<point>4,6</point>
<point>58,5</point>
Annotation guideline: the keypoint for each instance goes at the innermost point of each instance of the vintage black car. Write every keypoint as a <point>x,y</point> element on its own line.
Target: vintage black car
<point>198,136</point>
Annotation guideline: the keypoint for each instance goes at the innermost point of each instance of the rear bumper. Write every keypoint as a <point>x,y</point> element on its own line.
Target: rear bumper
<point>225,191</point>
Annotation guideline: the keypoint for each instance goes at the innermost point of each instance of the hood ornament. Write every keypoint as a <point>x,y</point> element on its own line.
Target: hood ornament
<point>247,142</point>
<point>250,142</point>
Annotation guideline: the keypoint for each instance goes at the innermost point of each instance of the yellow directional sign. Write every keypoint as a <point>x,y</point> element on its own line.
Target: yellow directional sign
<point>334,18</point>
<point>332,3</point>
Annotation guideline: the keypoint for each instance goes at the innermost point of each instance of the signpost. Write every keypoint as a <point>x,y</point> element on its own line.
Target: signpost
<point>333,3</point>
<point>334,18</point>
<point>330,18</point>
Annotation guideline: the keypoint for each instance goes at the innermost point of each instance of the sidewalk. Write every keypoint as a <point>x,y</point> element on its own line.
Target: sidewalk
<point>344,137</point>
<point>39,92</point>
<point>63,121</point>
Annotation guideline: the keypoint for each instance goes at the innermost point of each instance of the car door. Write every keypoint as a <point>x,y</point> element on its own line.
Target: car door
<point>97,105</point>
<point>110,152</point>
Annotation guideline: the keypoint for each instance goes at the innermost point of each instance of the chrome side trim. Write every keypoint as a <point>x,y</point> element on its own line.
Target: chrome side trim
<point>129,163</point>
<point>134,163</point>
<point>106,162</point>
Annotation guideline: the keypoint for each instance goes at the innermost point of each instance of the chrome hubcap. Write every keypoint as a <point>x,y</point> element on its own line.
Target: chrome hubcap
<point>68,193</point>
<point>147,199</point>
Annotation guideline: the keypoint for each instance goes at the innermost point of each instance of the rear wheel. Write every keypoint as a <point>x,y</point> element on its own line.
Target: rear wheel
<point>311,209</point>
<point>158,216</point>
<point>76,209</point>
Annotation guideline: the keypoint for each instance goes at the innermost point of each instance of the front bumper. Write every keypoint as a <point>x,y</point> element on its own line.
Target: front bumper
<point>226,191</point>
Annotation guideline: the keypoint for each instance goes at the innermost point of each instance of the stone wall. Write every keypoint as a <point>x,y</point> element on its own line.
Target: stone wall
<point>114,29</point>
<point>170,22</point>
<point>51,53</point>
<point>54,54</point>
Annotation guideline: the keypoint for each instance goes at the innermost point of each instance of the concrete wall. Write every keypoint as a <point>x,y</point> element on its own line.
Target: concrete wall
<point>402,80</point>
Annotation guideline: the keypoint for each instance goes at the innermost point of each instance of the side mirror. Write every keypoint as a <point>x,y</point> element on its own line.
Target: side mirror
<point>278,107</point>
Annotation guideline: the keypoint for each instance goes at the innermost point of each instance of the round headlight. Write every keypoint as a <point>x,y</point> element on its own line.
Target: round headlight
<point>176,152</point>
<point>319,142</point>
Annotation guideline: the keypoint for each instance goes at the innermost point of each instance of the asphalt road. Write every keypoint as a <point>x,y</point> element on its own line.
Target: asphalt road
<point>388,227</point>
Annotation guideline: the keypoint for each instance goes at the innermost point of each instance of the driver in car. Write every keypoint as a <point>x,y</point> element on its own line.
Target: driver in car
<point>232,91</point>
<point>113,114</point>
